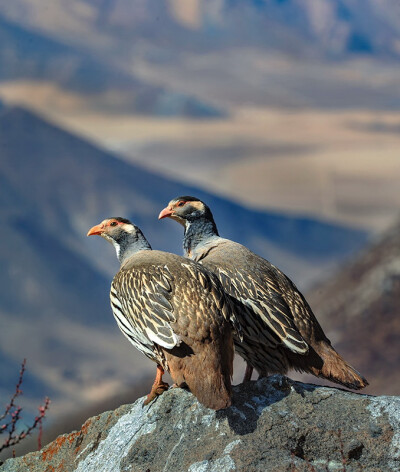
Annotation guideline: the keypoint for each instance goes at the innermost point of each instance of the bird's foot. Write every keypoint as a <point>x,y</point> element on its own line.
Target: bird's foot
<point>156,391</point>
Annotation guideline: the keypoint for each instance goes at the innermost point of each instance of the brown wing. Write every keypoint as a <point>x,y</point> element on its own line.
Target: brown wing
<point>154,304</point>
<point>303,316</point>
<point>177,313</point>
<point>211,283</point>
<point>141,304</point>
<point>262,295</point>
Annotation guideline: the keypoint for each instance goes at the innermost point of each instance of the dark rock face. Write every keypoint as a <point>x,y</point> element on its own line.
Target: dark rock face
<point>275,425</point>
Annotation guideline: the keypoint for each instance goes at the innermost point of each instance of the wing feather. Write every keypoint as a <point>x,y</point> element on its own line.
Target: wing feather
<point>140,300</point>
<point>265,300</point>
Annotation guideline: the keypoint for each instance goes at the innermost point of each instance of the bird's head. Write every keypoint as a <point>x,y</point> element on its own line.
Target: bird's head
<point>113,229</point>
<point>126,237</point>
<point>186,210</point>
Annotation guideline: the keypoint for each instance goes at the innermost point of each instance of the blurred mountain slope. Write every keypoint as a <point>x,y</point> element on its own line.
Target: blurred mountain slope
<point>29,55</point>
<point>299,98</point>
<point>54,283</point>
<point>359,306</point>
<point>330,54</point>
<point>306,116</point>
<point>332,28</point>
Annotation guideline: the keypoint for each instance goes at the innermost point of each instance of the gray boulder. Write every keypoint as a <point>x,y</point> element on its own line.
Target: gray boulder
<point>275,425</point>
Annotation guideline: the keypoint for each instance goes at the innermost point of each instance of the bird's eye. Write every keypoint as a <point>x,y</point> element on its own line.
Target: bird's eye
<point>113,223</point>
<point>180,204</point>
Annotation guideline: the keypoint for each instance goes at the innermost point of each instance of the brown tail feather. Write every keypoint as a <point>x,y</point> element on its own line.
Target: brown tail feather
<point>207,372</point>
<point>336,369</point>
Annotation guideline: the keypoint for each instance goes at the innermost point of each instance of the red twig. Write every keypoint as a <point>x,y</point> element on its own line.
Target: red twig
<point>13,440</point>
<point>13,412</point>
<point>42,414</point>
<point>17,393</point>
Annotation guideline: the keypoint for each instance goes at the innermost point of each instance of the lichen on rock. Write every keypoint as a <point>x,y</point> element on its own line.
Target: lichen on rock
<point>275,424</point>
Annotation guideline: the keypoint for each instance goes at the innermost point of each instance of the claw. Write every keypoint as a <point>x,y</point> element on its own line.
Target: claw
<point>158,388</point>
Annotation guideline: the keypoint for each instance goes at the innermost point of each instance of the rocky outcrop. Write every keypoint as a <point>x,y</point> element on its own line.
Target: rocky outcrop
<point>275,425</point>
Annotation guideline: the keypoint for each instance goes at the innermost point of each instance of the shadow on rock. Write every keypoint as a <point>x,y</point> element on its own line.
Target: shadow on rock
<point>252,398</point>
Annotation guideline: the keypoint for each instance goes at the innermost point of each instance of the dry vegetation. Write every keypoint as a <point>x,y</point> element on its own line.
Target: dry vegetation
<point>11,420</point>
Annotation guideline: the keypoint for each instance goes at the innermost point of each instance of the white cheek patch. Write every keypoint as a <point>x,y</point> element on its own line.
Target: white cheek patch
<point>198,205</point>
<point>129,228</point>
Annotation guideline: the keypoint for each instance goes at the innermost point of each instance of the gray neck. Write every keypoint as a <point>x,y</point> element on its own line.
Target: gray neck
<point>198,233</point>
<point>129,244</point>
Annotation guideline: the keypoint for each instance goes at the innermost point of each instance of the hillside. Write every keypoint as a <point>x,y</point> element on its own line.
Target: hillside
<point>332,28</point>
<point>54,284</point>
<point>293,53</point>
<point>29,55</point>
<point>299,100</point>
<point>360,307</point>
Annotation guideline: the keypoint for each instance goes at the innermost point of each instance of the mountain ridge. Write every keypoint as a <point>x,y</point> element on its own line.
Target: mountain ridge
<point>27,54</point>
<point>335,28</point>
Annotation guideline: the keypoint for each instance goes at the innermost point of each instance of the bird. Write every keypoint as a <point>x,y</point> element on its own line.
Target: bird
<point>175,312</point>
<point>280,330</point>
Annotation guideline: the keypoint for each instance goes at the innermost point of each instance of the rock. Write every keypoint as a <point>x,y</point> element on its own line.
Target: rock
<point>275,425</point>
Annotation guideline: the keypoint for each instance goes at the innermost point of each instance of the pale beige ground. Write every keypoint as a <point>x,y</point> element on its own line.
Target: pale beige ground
<point>338,165</point>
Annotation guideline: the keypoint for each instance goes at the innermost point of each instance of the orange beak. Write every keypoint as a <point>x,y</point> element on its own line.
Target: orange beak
<point>165,213</point>
<point>98,229</point>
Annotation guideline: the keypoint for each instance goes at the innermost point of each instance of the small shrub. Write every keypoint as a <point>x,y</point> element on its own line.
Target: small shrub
<point>11,418</point>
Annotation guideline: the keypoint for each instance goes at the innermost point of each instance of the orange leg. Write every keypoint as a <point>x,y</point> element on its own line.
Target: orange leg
<point>248,373</point>
<point>158,386</point>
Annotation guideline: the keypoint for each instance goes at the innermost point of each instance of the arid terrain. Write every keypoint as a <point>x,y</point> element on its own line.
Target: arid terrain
<point>339,165</point>
<point>288,105</point>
